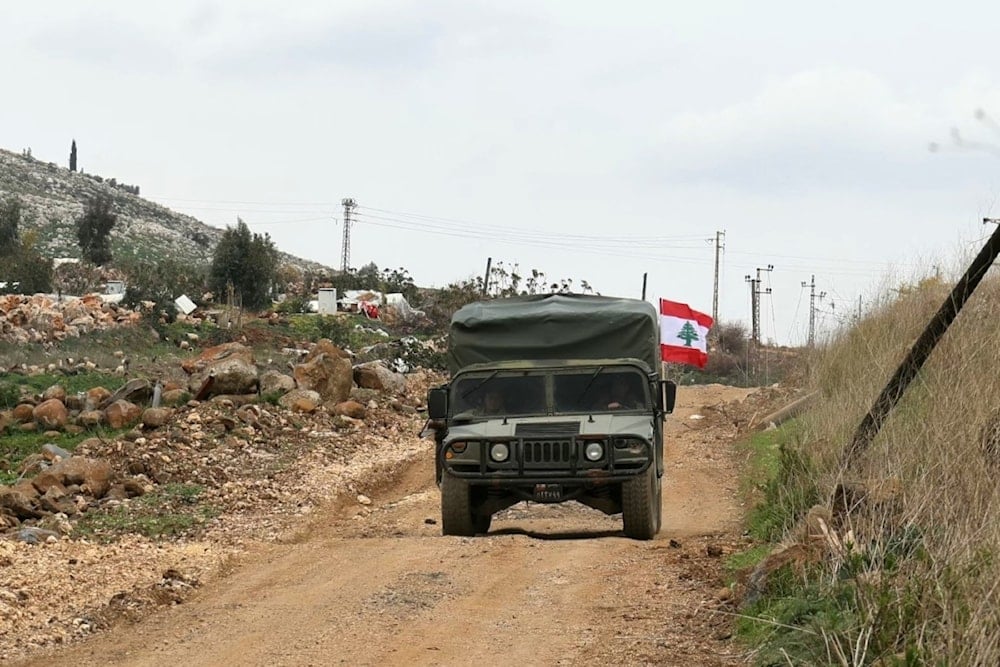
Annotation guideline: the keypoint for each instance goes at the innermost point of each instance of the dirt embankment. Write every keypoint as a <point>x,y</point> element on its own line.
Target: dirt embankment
<point>375,583</point>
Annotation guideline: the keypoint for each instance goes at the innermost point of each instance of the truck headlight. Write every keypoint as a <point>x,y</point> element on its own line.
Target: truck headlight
<point>594,451</point>
<point>499,452</point>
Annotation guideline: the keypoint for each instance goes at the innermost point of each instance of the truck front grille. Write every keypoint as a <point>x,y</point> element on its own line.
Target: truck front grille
<point>546,453</point>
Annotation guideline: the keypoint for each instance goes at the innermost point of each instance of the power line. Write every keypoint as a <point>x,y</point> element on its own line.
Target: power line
<point>520,233</point>
<point>241,201</point>
<point>396,215</point>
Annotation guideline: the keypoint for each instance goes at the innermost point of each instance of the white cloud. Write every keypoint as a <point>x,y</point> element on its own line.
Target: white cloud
<point>825,128</point>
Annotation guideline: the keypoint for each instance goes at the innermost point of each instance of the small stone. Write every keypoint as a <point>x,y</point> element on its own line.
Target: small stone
<point>713,550</point>
<point>364,500</point>
<point>674,544</point>
<point>54,452</point>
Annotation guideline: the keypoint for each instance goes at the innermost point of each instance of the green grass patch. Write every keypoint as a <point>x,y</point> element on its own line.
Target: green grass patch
<point>778,481</point>
<point>73,384</point>
<point>744,559</point>
<point>170,511</point>
<point>794,622</point>
<point>16,446</point>
<point>341,329</point>
<point>179,330</point>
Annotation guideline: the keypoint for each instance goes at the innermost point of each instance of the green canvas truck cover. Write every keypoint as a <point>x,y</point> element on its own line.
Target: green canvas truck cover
<point>554,327</point>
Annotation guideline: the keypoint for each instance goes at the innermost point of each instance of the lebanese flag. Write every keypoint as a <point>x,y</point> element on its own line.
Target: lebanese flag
<point>683,334</point>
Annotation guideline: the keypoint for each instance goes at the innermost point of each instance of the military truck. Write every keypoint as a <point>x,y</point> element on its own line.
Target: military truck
<point>552,398</point>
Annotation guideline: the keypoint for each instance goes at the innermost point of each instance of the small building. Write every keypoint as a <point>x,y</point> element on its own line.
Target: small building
<point>327,301</point>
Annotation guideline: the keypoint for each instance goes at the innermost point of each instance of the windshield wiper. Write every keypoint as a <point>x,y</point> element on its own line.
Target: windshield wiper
<point>590,383</point>
<point>480,384</point>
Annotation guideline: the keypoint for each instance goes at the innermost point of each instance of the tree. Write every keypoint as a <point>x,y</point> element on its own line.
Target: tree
<point>248,262</point>
<point>162,281</point>
<point>31,271</point>
<point>23,269</point>
<point>10,218</point>
<point>72,156</point>
<point>93,230</point>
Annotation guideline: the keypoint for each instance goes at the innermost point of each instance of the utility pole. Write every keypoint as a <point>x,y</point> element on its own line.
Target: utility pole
<point>756,302</point>
<point>754,309</point>
<point>345,247</point>
<point>719,236</point>
<point>812,308</point>
<point>486,276</point>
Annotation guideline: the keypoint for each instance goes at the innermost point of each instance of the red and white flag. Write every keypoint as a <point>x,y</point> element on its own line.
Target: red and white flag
<point>683,334</point>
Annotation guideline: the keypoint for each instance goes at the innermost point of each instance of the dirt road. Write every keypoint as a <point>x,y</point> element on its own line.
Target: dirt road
<point>548,585</point>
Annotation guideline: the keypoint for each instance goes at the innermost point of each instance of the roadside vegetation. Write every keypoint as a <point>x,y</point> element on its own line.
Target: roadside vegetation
<point>893,558</point>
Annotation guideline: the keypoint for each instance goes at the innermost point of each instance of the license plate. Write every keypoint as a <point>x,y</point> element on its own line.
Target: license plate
<point>548,492</point>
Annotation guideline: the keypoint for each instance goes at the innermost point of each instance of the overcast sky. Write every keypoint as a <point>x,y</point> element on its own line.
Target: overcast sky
<point>591,140</point>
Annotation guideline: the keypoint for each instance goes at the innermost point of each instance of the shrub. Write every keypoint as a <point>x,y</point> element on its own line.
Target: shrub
<point>916,581</point>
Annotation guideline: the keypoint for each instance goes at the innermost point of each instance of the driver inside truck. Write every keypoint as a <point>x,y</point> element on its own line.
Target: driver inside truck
<point>493,403</point>
<point>620,395</point>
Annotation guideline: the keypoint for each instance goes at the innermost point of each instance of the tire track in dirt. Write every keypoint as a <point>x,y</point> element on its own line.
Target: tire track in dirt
<point>549,585</point>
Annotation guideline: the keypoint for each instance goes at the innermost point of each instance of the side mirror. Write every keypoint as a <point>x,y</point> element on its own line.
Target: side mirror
<point>668,394</point>
<point>437,403</point>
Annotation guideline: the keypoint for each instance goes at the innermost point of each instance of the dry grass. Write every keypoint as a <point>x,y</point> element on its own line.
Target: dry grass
<point>924,572</point>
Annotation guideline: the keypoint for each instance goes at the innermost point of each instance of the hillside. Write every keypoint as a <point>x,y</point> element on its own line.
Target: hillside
<point>54,197</point>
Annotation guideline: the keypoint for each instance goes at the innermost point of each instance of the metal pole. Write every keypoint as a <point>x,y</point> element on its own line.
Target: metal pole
<point>644,276</point>
<point>715,287</point>
<point>486,278</point>
<point>921,350</point>
<point>345,248</point>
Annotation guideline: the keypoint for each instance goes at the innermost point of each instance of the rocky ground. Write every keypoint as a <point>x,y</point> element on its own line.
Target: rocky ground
<point>137,517</point>
<point>221,485</point>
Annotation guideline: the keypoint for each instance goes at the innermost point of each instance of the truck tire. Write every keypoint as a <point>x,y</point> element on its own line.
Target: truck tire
<point>640,506</point>
<point>659,505</point>
<point>458,513</point>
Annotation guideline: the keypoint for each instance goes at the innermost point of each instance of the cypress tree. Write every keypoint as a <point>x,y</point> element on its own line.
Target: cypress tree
<point>72,156</point>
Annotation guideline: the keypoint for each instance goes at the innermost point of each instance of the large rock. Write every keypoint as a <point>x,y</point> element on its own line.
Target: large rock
<point>56,500</point>
<point>122,413</point>
<point>136,390</point>
<point>326,346</point>
<point>18,504</point>
<point>91,418</point>
<point>56,391</point>
<point>273,382</point>
<point>300,400</point>
<point>50,414</point>
<point>211,355</point>
<point>156,417</point>
<point>223,369</point>
<point>330,376</point>
<point>351,409</point>
<point>95,397</point>
<point>231,376</point>
<point>374,375</point>
<point>175,397</point>
<point>75,402</point>
<point>92,475</point>
<point>23,412</point>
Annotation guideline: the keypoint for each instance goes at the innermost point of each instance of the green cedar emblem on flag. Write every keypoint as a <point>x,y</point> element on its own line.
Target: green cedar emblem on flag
<point>687,334</point>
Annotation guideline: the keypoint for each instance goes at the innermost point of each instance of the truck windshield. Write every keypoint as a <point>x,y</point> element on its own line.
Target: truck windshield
<point>611,389</point>
<point>548,391</point>
<point>497,394</point>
